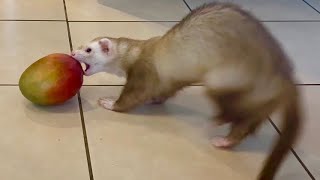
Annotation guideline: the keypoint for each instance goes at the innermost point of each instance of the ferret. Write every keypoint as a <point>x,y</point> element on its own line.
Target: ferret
<point>243,68</point>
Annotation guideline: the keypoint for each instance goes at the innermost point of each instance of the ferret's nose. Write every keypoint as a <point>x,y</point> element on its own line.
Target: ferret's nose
<point>73,53</point>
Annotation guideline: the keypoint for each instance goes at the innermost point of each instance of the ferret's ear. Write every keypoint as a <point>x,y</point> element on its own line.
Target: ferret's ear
<point>106,45</point>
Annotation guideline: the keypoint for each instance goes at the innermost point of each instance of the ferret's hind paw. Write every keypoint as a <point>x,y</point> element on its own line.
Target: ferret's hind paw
<point>107,102</point>
<point>222,142</point>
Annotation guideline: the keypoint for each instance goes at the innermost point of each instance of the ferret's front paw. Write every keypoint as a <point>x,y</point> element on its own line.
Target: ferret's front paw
<point>107,102</point>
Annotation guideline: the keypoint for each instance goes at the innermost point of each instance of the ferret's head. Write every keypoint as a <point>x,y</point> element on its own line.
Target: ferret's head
<point>96,55</point>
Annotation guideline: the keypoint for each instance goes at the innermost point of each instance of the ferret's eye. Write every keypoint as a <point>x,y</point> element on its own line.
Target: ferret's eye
<point>88,50</point>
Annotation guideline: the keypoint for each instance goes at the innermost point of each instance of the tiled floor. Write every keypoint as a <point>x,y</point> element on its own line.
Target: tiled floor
<point>78,141</point>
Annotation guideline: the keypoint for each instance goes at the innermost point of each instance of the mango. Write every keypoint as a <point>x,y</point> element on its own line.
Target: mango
<point>51,80</point>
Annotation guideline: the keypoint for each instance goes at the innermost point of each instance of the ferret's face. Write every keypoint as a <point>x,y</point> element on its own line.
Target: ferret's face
<point>95,55</point>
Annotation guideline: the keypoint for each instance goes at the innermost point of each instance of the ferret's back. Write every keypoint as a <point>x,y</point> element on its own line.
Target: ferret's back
<point>233,33</point>
<point>215,13</point>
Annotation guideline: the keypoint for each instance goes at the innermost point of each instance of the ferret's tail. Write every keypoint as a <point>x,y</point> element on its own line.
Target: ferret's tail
<point>289,133</point>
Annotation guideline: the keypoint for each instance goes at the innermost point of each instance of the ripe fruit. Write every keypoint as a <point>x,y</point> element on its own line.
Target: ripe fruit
<point>52,79</point>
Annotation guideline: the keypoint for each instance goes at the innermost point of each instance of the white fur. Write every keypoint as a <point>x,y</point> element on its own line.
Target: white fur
<point>135,51</point>
<point>113,68</point>
<point>98,60</point>
<point>227,77</point>
<point>122,48</point>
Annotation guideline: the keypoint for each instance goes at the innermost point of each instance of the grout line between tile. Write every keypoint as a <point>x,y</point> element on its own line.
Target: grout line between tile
<point>291,21</point>
<point>311,6</point>
<point>123,85</point>
<point>98,21</point>
<point>316,84</point>
<point>189,85</point>
<point>133,21</point>
<point>32,20</point>
<point>120,85</point>
<point>293,151</point>
<point>68,26</point>
<point>187,5</point>
<point>9,84</point>
<point>85,137</point>
<point>108,21</point>
<point>83,125</point>
<point>99,85</point>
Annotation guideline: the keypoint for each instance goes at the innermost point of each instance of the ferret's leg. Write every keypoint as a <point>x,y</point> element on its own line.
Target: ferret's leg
<point>229,102</point>
<point>228,96</point>
<point>224,115</point>
<point>131,96</point>
<point>231,88</point>
<point>140,87</point>
<point>241,126</point>
<point>247,119</point>
<point>226,84</point>
<point>239,130</point>
<point>163,97</point>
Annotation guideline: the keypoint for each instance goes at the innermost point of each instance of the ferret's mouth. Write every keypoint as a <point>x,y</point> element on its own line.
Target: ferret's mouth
<point>87,67</point>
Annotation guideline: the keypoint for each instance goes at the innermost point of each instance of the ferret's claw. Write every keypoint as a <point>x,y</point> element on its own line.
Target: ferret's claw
<point>107,103</point>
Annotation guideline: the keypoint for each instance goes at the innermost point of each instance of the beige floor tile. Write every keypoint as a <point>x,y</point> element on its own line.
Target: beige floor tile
<point>32,9</point>
<point>302,44</point>
<point>40,143</point>
<point>22,43</point>
<point>308,147</point>
<point>271,10</point>
<point>122,10</point>
<point>171,142</point>
<point>84,32</point>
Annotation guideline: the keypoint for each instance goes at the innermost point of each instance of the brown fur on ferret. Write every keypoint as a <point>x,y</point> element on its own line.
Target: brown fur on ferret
<point>243,68</point>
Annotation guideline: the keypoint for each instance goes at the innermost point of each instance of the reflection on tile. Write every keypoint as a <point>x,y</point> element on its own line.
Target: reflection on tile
<point>122,10</point>
<point>84,32</point>
<point>271,10</point>
<point>22,43</point>
<point>308,147</point>
<point>171,142</point>
<point>32,9</point>
<point>40,143</point>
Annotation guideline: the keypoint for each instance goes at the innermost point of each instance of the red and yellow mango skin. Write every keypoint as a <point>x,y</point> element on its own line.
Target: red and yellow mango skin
<point>52,79</point>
